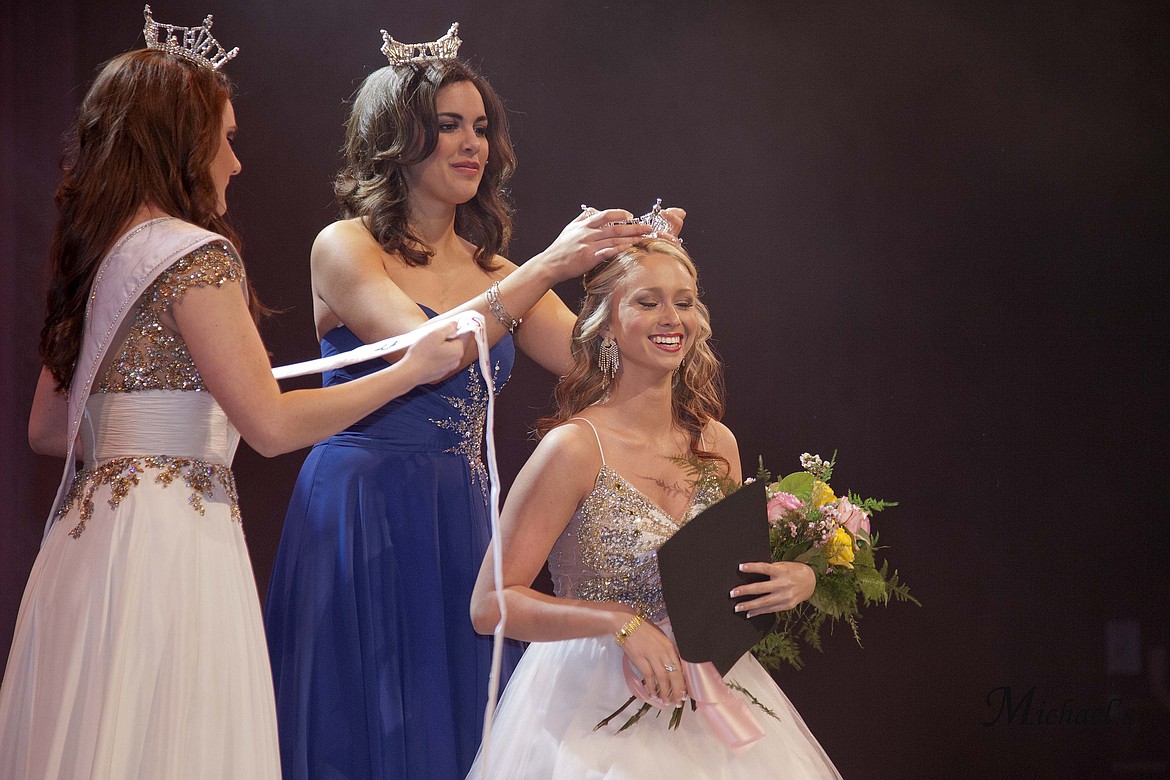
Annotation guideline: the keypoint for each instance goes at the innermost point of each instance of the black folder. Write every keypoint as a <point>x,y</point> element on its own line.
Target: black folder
<point>700,566</point>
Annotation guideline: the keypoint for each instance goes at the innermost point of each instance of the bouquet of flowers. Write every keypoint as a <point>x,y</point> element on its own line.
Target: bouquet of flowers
<point>833,535</point>
<point>808,524</point>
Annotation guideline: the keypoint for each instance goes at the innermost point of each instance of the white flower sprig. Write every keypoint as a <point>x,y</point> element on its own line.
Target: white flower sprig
<point>820,469</point>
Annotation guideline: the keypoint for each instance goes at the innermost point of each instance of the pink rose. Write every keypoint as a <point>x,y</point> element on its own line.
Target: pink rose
<point>851,518</point>
<point>780,505</point>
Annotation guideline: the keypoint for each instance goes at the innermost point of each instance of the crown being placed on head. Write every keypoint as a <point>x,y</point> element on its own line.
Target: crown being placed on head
<point>195,44</point>
<point>657,223</point>
<point>446,48</point>
<point>654,220</point>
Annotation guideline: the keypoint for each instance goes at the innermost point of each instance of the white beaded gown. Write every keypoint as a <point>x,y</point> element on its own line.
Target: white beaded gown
<point>139,650</point>
<point>544,727</point>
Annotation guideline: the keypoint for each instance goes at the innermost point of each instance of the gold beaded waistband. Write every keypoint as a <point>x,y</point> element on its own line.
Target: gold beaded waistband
<point>122,474</point>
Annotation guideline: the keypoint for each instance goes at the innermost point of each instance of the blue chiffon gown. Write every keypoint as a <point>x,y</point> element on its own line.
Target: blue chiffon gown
<point>378,672</point>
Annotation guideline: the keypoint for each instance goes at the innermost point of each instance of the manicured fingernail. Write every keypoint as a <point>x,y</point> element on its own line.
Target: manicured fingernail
<point>750,615</point>
<point>741,567</point>
<point>733,594</point>
<point>739,607</point>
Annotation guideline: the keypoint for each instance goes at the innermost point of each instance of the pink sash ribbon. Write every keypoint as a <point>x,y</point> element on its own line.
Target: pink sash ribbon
<point>726,714</point>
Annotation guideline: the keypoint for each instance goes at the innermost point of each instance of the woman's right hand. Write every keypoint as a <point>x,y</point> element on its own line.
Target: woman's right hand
<point>651,652</point>
<point>437,354</point>
<point>587,241</point>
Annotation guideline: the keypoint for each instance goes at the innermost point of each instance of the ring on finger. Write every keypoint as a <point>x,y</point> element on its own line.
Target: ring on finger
<point>670,667</point>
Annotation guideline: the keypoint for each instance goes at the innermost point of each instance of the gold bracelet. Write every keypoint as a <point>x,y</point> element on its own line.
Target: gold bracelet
<point>624,632</point>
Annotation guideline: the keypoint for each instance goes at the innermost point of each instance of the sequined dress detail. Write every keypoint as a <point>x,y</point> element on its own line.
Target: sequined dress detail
<point>139,649</point>
<point>378,671</point>
<point>544,726</point>
<point>609,551</point>
<point>153,357</point>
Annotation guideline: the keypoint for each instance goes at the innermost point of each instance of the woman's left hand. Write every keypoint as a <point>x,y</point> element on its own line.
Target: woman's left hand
<point>788,584</point>
<point>675,216</point>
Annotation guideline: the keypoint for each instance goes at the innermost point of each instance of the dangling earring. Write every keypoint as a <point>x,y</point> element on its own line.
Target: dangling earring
<point>608,358</point>
<point>679,369</point>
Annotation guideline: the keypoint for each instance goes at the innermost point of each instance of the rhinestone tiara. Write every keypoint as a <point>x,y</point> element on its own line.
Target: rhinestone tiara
<point>657,223</point>
<point>653,219</point>
<point>446,48</point>
<point>195,44</point>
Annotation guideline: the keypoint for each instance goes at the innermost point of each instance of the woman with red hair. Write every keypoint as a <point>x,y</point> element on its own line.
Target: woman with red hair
<point>139,648</point>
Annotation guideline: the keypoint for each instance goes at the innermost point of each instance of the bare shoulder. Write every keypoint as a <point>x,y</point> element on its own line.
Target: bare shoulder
<point>720,438</point>
<point>345,239</point>
<point>568,455</point>
<point>343,231</point>
<point>574,443</point>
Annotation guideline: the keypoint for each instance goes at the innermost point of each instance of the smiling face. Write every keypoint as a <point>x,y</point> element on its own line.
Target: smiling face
<point>654,319</point>
<point>225,165</point>
<point>451,174</point>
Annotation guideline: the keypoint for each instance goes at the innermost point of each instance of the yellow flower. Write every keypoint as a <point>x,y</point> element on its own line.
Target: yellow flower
<point>839,549</point>
<point>821,494</point>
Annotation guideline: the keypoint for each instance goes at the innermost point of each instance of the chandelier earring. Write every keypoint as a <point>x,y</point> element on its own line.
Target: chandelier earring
<point>608,358</point>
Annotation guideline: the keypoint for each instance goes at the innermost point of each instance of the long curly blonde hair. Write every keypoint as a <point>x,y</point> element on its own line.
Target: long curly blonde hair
<point>697,389</point>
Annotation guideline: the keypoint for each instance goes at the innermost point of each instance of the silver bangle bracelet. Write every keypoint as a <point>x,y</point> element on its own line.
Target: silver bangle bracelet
<point>498,311</point>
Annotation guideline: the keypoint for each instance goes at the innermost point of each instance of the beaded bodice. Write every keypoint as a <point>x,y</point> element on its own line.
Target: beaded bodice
<point>145,422</point>
<point>153,357</point>
<point>445,417</point>
<point>609,550</point>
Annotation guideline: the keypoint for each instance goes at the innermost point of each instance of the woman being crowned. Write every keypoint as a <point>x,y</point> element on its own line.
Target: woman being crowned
<point>606,487</point>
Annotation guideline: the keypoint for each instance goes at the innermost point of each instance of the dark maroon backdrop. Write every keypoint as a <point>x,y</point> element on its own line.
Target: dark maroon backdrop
<point>932,236</point>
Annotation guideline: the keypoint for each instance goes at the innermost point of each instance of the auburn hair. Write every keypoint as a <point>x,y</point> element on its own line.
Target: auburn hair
<point>147,132</point>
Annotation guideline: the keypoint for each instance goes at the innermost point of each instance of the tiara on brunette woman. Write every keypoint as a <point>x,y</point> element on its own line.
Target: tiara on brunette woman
<point>195,44</point>
<point>446,48</point>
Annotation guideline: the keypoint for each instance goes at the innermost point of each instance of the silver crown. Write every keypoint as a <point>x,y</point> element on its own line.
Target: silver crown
<point>657,223</point>
<point>195,44</point>
<point>446,48</point>
<point>654,220</point>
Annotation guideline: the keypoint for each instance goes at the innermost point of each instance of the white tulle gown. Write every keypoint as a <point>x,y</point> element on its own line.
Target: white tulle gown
<point>139,650</point>
<point>544,726</point>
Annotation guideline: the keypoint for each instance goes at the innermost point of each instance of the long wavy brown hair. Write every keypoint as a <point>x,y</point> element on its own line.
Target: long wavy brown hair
<point>147,132</point>
<point>392,126</point>
<point>697,389</point>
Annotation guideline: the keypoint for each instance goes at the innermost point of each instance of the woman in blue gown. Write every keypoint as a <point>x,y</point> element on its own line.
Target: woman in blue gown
<point>377,669</point>
<point>373,654</point>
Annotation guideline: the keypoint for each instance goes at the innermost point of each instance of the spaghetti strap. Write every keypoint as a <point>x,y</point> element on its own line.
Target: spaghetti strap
<point>599,448</point>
